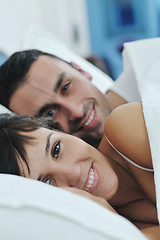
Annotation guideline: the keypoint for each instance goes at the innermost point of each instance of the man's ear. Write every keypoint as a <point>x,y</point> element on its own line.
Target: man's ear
<point>75,65</point>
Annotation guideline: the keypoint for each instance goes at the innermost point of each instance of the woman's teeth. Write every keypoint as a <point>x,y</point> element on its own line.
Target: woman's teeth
<point>90,181</point>
<point>89,119</point>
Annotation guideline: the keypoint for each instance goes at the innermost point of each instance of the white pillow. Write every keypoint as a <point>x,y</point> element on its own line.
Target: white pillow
<point>38,38</point>
<point>4,109</point>
<point>31,210</point>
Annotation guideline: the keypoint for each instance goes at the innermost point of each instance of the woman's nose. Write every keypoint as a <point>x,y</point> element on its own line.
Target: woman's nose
<point>67,176</point>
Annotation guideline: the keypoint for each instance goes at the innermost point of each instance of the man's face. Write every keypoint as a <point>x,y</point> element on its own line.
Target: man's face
<point>54,88</point>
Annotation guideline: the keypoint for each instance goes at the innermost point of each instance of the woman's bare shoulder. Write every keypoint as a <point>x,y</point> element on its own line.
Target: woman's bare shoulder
<point>125,128</point>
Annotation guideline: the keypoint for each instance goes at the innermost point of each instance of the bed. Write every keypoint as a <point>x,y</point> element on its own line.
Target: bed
<point>33,210</point>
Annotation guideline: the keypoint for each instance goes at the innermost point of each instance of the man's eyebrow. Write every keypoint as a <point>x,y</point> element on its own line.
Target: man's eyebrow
<point>59,82</point>
<point>48,143</point>
<point>57,86</point>
<point>43,110</point>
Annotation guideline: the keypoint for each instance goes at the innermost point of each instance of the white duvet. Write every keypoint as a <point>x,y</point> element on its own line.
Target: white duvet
<point>144,58</point>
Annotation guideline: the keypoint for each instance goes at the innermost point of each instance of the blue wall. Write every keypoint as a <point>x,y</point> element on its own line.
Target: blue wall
<point>3,57</point>
<point>113,22</point>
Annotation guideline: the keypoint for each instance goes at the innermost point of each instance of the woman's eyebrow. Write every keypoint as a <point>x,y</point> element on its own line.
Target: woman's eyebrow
<point>46,151</point>
<point>48,143</point>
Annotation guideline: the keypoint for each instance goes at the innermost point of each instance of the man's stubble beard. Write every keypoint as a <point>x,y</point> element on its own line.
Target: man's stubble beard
<point>95,140</point>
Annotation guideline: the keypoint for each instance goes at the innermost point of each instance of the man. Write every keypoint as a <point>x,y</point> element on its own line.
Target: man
<point>40,84</point>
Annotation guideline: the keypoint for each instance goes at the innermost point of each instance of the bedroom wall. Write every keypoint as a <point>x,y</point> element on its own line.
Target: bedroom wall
<point>15,18</point>
<point>65,18</point>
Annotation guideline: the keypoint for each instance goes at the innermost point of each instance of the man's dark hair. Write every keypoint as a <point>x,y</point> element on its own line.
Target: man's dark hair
<point>13,139</point>
<point>14,72</point>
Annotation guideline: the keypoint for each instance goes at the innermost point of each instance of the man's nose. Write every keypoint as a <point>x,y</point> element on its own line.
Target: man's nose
<point>68,112</point>
<point>72,110</point>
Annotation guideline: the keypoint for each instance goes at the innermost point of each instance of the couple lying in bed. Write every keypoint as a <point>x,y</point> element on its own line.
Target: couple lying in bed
<point>119,175</point>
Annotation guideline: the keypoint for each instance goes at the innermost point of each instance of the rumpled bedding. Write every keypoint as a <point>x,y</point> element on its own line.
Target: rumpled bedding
<point>144,58</point>
<point>23,204</point>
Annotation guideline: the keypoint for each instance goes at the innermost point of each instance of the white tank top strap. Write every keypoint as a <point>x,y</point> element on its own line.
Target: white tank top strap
<point>128,160</point>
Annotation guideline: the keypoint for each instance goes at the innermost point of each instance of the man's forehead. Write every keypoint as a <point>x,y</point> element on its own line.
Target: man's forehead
<point>49,61</point>
<point>38,89</point>
<point>43,80</point>
<point>46,68</point>
<point>25,100</point>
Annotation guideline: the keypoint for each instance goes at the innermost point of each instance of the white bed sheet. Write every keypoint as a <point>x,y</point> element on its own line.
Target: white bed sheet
<point>31,210</point>
<point>144,56</point>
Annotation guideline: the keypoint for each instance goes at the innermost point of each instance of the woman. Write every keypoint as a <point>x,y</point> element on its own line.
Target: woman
<point>63,160</point>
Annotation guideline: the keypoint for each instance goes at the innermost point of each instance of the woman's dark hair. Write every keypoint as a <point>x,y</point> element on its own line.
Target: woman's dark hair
<point>13,139</point>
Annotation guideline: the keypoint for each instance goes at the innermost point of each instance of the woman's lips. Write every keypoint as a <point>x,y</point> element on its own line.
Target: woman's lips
<point>92,180</point>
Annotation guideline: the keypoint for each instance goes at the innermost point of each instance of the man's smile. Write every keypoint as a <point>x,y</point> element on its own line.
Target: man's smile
<point>89,121</point>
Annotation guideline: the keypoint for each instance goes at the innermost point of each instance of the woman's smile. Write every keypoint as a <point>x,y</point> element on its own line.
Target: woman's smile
<point>66,161</point>
<point>92,180</point>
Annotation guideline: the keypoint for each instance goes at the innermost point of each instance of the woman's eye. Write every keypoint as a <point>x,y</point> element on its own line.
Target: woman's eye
<point>65,87</point>
<point>48,181</point>
<point>56,150</point>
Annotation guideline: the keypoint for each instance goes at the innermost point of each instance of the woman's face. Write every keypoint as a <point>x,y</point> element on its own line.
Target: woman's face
<point>63,160</point>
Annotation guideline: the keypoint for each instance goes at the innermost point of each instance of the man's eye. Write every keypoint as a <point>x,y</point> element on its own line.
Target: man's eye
<point>50,113</point>
<point>56,149</point>
<point>65,87</point>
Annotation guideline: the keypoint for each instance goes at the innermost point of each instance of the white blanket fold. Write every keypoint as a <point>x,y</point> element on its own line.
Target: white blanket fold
<point>144,56</point>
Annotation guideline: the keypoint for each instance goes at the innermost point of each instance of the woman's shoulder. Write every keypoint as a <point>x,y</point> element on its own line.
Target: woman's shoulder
<point>123,120</point>
<point>125,112</point>
<point>125,128</point>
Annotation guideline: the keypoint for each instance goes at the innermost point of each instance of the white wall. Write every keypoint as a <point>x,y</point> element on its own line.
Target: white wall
<point>60,17</point>
<point>15,18</point>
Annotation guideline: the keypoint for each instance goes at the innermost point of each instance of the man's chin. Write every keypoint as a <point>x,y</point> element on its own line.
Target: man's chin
<point>92,137</point>
<point>94,141</point>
